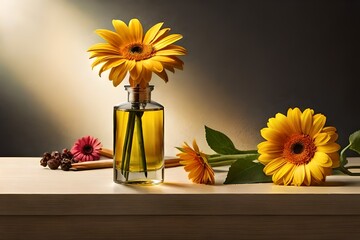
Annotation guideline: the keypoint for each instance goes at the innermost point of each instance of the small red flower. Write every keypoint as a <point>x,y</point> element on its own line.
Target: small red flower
<point>86,149</point>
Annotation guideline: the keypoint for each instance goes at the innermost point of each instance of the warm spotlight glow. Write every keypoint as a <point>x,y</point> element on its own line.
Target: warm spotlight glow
<point>43,46</point>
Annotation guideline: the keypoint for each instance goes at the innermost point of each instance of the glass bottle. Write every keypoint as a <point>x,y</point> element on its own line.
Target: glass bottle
<point>139,139</point>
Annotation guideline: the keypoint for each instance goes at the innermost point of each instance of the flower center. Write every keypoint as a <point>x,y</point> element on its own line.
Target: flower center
<point>87,149</point>
<point>299,149</point>
<point>137,51</point>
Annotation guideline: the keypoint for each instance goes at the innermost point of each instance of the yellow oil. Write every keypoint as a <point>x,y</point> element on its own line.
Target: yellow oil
<point>153,139</point>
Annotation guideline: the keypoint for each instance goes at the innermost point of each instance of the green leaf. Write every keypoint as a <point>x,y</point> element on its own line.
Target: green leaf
<point>337,171</point>
<point>221,143</point>
<point>354,144</point>
<point>354,140</point>
<point>242,172</point>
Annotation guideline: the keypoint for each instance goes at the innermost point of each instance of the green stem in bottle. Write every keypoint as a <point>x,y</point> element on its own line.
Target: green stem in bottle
<point>128,144</point>
<point>140,137</point>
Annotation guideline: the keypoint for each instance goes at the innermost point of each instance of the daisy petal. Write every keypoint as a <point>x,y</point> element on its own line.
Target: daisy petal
<point>110,36</point>
<point>299,175</point>
<point>318,124</point>
<point>119,74</point>
<point>289,178</point>
<point>169,52</point>
<point>136,29</point>
<point>307,176</point>
<point>163,75</point>
<point>307,121</point>
<point>122,30</point>
<point>280,123</point>
<point>104,47</point>
<point>153,65</point>
<point>321,139</point>
<point>274,166</point>
<point>329,148</point>
<point>294,116</point>
<point>136,71</point>
<point>151,33</point>
<point>335,158</point>
<point>283,172</point>
<point>322,159</point>
<point>160,35</point>
<point>316,172</point>
<point>269,147</point>
<point>267,157</point>
<point>167,41</point>
<point>272,135</point>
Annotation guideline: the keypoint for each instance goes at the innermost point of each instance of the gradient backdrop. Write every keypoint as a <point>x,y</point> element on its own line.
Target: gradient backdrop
<point>247,60</point>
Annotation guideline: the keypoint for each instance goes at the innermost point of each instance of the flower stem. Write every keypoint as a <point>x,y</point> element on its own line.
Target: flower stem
<point>343,162</point>
<point>222,163</point>
<point>353,167</point>
<point>248,152</point>
<point>126,141</point>
<point>223,160</point>
<point>140,137</point>
<point>125,163</point>
<point>219,158</point>
<point>346,171</point>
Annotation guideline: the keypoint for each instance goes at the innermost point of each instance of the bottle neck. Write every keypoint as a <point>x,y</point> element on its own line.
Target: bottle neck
<point>139,95</point>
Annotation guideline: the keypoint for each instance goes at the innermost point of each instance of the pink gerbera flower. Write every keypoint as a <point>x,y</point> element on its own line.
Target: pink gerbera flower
<point>86,149</point>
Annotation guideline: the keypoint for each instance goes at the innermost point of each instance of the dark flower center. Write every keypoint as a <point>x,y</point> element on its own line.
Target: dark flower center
<point>136,49</point>
<point>87,149</point>
<point>297,148</point>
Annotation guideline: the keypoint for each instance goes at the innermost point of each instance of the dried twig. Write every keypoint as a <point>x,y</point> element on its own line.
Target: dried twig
<point>108,163</point>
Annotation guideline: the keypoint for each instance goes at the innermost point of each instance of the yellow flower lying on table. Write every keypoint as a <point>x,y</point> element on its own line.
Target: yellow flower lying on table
<point>299,150</point>
<point>197,164</point>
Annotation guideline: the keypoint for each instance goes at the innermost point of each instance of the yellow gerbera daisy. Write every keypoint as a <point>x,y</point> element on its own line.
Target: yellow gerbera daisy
<point>298,149</point>
<point>197,164</point>
<point>128,49</point>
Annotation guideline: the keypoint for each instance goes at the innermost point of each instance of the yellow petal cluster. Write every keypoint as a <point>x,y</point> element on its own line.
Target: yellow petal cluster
<point>299,149</point>
<point>129,50</point>
<point>196,164</point>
